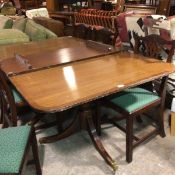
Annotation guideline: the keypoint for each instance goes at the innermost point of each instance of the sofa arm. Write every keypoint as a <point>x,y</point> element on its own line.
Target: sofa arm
<point>55,26</point>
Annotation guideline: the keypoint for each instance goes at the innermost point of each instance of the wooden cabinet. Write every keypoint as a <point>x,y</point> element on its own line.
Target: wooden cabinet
<point>28,4</point>
<point>164,7</point>
<point>55,5</point>
<point>52,5</point>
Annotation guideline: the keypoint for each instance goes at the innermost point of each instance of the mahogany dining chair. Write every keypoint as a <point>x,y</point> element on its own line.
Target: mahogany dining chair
<point>134,101</point>
<point>15,141</point>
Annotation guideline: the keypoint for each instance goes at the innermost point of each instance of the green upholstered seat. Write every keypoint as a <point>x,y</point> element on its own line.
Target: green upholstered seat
<point>17,96</point>
<point>134,98</point>
<point>10,36</point>
<point>13,142</point>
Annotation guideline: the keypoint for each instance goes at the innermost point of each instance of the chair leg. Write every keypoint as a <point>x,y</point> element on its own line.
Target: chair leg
<point>35,154</point>
<point>161,123</point>
<point>129,138</point>
<point>35,120</point>
<point>139,119</point>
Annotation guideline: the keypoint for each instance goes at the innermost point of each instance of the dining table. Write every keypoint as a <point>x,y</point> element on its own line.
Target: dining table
<point>67,77</point>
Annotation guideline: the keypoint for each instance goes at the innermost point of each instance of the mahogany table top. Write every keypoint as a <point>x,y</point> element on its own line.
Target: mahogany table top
<point>64,86</point>
<point>33,56</point>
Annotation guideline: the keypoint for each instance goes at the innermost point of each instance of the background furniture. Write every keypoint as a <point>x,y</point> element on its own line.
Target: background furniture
<point>55,26</point>
<point>38,12</point>
<point>164,7</point>
<point>140,9</point>
<point>66,17</point>
<point>7,8</point>
<point>42,17</point>
<point>29,4</point>
<point>161,8</point>
<point>58,5</point>
<point>22,30</point>
<point>98,25</point>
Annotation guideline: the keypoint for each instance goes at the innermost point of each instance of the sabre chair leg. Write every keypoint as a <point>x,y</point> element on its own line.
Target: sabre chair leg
<point>139,119</point>
<point>161,122</point>
<point>35,154</point>
<point>129,138</point>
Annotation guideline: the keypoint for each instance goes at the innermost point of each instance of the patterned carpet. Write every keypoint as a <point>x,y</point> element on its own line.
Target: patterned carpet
<point>76,155</point>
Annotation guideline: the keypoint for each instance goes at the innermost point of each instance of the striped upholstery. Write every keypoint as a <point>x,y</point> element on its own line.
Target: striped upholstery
<point>95,18</point>
<point>99,20</point>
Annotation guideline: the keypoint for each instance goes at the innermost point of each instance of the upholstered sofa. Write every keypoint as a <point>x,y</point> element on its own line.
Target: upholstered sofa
<point>55,26</point>
<point>22,30</point>
<point>41,16</point>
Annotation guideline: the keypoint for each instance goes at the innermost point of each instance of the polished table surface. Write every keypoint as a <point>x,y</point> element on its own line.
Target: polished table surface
<point>38,55</point>
<point>40,47</point>
<point>65,86</point>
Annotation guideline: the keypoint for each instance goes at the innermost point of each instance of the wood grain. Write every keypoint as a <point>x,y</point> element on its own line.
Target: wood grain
<point>62,87</point>
<point>24,49</point>
<point>173,123</point>
<point>53,52</point>
<point>140,9</point>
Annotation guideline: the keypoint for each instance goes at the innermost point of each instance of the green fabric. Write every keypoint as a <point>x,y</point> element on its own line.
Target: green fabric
<point>20,24</point>
<point>34,32</point>
<point>49,34</point>
<point>13,142</point>
<point>5,22</point>
<point>9,36</point>
<point>134,98</point>
<point>17,96</point>
<point>8,24</point>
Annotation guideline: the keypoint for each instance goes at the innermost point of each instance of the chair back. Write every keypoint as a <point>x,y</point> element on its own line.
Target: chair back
<point>153,46</point>
<point>8,113</point>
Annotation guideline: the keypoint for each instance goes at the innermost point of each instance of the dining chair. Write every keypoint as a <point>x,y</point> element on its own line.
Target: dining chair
<point>21,105</point>
<point>15,141</point>
<point>23,108</point>
<point>133,102</point>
